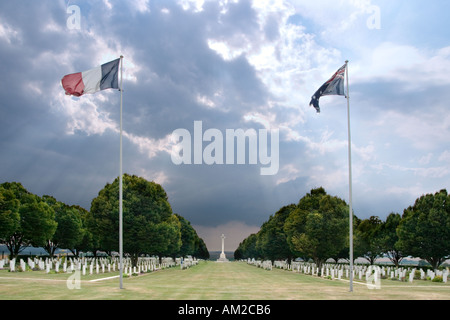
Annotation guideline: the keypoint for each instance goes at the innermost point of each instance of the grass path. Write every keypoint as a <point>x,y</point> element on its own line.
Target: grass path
<point>210,281</point>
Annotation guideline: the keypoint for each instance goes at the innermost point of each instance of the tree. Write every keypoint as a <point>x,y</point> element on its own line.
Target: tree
<point>170,243</point>
<point>85,244</point>
<point>247,248</point>
<point>345,252</point>
<point>69,232</point>
<point>272,238</point>
<point>424,230</point>
<point>9,214</point>
<point>389,238</point>
<point>191,243</point>
<point>149,226</point>
<point>188,237</point>
<point>324,233</point>
<point>293,227</point>
<point>37,223</point>
<point>29,221</point>
<point>367,239</point>
<point>103,219</point>
<point>201,251</point>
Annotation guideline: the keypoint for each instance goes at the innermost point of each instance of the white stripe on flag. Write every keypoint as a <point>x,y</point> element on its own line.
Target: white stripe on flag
<point>92,79</point>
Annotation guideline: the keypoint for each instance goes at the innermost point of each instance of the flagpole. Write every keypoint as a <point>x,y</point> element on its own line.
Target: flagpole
<point>120,181</point>
<point>350,181</point>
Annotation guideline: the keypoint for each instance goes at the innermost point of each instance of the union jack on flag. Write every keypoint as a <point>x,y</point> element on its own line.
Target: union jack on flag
<point>334,86</point>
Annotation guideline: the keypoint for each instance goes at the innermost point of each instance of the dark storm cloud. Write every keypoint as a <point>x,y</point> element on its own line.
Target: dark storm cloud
<point>176,67</point>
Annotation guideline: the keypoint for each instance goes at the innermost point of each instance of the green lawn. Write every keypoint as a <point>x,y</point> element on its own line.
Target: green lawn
<point>210,281</point>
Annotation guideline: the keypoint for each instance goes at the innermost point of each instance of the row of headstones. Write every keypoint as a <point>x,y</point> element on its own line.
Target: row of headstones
<point>337,271</point>
<point>186,263</point>
<point>266,264</point>
<point>367,271</point>
<point>84,264</point>
<point>431,274</point>
<point>143,269</point>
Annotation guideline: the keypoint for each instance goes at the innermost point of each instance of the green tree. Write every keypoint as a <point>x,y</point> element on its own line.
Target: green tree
<point>85,244</point>
<point>103,219</point>
<point>389,238</point>
<point>367,242</point>
<point>247,248</point>
<point>293,227</point>
<point>191,243</point>
<point>424,230</point>
<point>188,237</point>
<point>69,232</point>
<point>272,241</point>
<point>36,222</point>
<point>324,233</point>
<point>148,223</point>
<point>201,251</point>
<point>171,243</point>
<point>9,214</point>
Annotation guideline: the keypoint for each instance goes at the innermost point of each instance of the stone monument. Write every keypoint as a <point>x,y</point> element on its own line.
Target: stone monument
<point>223,258</point>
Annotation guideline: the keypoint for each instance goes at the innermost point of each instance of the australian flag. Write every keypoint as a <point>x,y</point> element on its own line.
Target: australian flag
<point>334,86</point>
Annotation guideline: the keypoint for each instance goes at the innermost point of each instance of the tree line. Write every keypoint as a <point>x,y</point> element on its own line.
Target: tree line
<point>149,225</point>
<point>317,228</point>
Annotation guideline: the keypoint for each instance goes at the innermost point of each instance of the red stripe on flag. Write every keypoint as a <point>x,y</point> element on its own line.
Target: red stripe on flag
<point>73,84</point>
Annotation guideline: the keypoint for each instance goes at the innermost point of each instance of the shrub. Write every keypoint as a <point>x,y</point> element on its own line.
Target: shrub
<point>437,279</point>
<point>417,275</point>
<point>394,279</point>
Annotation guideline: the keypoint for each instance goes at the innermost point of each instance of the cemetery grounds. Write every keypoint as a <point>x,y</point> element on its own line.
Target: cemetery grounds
<point>210,280</point>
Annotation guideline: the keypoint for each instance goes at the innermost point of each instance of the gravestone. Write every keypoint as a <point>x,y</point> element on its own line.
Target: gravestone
<point>12,265</point>
<point>22,265</point>
<point>411,276</point>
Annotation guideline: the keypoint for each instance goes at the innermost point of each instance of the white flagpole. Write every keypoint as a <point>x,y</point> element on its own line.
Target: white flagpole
<point>350,182</point>
<point>120,181</point>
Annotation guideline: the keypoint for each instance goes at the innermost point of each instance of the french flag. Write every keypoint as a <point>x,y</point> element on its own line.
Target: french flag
<point>103,77</point>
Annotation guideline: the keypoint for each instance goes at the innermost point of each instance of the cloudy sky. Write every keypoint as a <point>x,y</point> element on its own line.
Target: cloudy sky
<point>231,65</point>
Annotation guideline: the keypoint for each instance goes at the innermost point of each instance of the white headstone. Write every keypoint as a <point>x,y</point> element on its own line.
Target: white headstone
<point>12,265</point>
<point>411,276</point>
<point>23,266</point>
